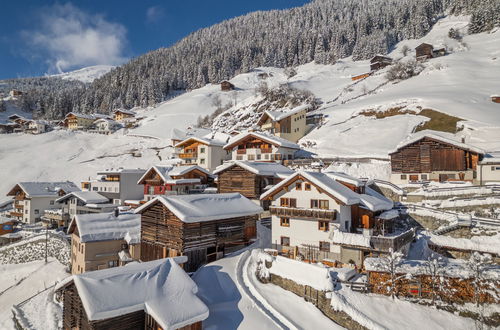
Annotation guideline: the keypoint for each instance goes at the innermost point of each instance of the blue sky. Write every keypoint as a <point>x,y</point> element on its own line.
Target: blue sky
<point>39,37</point>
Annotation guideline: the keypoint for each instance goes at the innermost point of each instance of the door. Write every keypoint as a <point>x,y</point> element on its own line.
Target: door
<point>414,177</point>
<point>443,177</point>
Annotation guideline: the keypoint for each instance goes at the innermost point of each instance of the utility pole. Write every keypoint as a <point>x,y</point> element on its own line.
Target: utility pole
<point>46,242</point>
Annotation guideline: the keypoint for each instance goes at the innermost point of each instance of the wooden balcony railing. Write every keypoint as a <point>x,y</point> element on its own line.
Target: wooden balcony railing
<point>303,213</point>
<point>153,182</point>
<point>241,151</point>
<point>188,155</point>
<point>16,214</point>
<point>266,150</point>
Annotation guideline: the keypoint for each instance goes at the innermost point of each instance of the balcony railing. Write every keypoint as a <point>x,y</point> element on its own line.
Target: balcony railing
<point>16,214</point>
<point>303,213</point>
<point>185,155</point>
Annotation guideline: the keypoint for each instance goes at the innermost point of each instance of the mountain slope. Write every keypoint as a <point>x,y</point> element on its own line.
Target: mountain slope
<point>85,75</point>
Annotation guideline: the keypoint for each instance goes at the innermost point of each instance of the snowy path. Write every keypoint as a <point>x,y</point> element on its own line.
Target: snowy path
<point>30,278</point>
<point>236,300</point>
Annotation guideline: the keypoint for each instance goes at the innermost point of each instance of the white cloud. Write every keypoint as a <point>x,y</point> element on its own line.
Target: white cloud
<point>70,38</point>
<point>154,14</point>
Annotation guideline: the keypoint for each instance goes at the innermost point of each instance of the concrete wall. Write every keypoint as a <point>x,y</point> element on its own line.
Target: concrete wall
<point>129,189</point>
<point>488,173</point>
<point>298,127</point>
<point>35,207</point>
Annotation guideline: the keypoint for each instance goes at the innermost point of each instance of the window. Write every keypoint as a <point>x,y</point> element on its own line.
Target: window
<point>251,157</point>
<point>403,176</point>
<point>202,161</point>
<point>324,246</point>
<point>285,241</point>
<point>202,150</point>
<point>423,176</point>
<point>26,212</point>
<point>307,186</point>
<point>151,190</point>
<point>288,202</point>
<point>239,157</point>
<point>298,186</point>
<point>497,168</point>
<point>323,225</point>
<point>113,263</point>
<point>258,156</point>
<point>320,204</point>
<point>266,156</point>
<point>51,202</point>
<point>94,188</point>
<point>285,222</point>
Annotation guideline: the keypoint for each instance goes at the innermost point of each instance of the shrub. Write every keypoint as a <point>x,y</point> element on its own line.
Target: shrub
<point>404,70</point>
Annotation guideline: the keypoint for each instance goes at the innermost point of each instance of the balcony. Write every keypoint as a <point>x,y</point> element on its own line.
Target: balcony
<point>392,241</point>
<point>186,155</point>
<point>317,214</point>
<point>16,214</point>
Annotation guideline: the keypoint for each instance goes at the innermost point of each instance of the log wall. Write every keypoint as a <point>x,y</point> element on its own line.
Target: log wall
<point>238,179</point>
<point>165,235</point>
<point>427,155</point>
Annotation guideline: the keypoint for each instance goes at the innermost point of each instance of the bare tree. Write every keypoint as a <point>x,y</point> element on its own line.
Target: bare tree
<point>434,267</point>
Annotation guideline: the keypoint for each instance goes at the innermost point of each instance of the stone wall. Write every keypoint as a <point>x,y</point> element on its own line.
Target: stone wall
<point>319,299</point>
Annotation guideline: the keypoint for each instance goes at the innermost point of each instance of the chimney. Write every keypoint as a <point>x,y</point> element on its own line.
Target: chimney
<point>463,139</point>
<point>116,212</point>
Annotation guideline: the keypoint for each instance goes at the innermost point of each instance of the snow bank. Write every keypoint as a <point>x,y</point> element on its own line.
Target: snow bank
<point>313,275</point>
<point>488,244</point>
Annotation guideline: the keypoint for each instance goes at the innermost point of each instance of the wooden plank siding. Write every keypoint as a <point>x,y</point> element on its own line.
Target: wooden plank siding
<point>165,235</point>
<point>238,179</point>
<point>427,155</point>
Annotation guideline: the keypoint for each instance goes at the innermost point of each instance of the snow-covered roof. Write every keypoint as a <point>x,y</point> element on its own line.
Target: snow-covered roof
<point>80,115</point>
<point>324,182</point>
<point>491,158</point>
<point>259,168</point>
<point>106,226</point>
<point>161,288</point>
<point>40,189</point>
<point>344,238</point>
<point>127,112</point>
<point>167,171</point>
<point>177,134</point>
<point>5,220</point>
<point>439,136</point>
<point>387,215</point>
<point>340,176</point>
<point>202,140</point>
<point>206,207</point>
<point>86,197</point>
<point>120,171</point>
<point>274,140</point>
<point>277,115</point>
<point>375,201</point>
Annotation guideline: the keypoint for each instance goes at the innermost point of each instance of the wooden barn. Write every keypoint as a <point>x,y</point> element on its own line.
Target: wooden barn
<point>250,179</point>
<point>226,86</point>
<point>433,157</point>
<point>202,227</point>
<point>379,61</point>
<point>424,51</point>
<point>151,295</point>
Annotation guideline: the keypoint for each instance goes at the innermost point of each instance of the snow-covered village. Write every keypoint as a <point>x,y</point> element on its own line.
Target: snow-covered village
<point>323,164</point>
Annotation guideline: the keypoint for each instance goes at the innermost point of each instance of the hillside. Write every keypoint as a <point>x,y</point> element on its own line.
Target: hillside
<point>85,75</point>
<point>458,84</point>
<point>322,30</point>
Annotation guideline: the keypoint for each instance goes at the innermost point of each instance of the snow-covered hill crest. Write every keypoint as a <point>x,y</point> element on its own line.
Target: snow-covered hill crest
<point>86,75</point>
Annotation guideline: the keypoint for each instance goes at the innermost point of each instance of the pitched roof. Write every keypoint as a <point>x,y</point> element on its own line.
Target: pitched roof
<point>277,115</point>
<point>438,136</point>
<point>85,196</point>
<point>81,115</point>
<point>128,112</point>
<point>341,176</point>
<point>41,189</point>
<point>106,226</point>
<point>323,181</point>
<point>120,170</point>
<point>161,288</point>
<point>167,171</point>
<point>206,207</point>
<point>274,140</point>
<point>202,140</point>
<point>259,168</point>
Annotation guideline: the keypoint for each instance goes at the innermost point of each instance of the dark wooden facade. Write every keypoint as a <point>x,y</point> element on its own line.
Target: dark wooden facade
<point>378,62</point>
<point>429,155</point>
<point>238,179</point>
<point>226,86</point>
<point>75,317</point>
<point>495,98</point>
<point>164,235</point>
<point>424,51</point>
